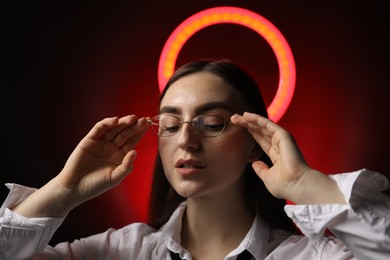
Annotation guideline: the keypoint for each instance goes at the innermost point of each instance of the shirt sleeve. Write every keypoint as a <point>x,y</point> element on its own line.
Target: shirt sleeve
<point>363,224</point>
<point>21,237</point>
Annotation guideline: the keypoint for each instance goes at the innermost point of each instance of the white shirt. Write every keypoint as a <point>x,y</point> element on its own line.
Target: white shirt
<point>362,228</point>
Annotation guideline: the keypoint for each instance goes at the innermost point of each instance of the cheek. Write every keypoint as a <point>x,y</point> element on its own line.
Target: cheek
<point>228,153</point>
<point>166,151</point>
<point>232,156</point>
<point>234,151</point>
<point>241,144</point>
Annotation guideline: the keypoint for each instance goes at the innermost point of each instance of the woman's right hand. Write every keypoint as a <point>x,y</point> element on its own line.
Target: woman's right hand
<point>102,159</point>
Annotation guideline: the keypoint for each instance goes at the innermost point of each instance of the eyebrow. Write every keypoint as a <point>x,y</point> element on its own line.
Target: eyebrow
<point>199,110</point>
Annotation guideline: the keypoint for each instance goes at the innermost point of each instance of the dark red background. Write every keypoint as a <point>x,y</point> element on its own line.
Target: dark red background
<point>66,66</point>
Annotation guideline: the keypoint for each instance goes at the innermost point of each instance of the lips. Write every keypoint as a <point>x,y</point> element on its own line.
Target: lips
<point>189,164</point>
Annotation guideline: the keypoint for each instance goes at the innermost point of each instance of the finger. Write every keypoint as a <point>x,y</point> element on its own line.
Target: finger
<point>255,122</point>
<point>263,127</point>
<point>120,172</point>
<point>122,124</point>
<point>101,127</point>
<point>136,136</point>
<point>262,136</point>
<point>265,142</point>
<point>131,134</point>
<point>239,120</point>
<point>259,121</point>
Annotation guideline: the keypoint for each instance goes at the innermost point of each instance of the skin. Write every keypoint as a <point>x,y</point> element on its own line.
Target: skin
<point>217,217</point>
<point>102,159</point>
<point>223,157</point>
<point>290,177</point>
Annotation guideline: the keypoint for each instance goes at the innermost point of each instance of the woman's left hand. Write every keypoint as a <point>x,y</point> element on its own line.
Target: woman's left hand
<point>289,177</point>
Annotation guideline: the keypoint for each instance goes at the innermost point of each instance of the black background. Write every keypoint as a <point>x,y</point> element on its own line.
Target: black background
<point>67,65</point>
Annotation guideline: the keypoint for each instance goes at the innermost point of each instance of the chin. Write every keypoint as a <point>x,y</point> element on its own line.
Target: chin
<point>188,191</point>
<point>184,187</point>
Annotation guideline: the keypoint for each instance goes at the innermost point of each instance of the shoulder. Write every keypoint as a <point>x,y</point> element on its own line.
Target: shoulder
<point>138,240</point>
<point>300,247</point>
<point>135,240</point>
<point>136,233</point>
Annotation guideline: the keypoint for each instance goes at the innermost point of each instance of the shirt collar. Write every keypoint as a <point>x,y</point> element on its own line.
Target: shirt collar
<point>171,230</point>
<point>259,240</point>
<point>255,241</point>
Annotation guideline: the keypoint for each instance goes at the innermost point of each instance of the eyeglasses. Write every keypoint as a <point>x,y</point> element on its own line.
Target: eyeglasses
<point>203,125</point>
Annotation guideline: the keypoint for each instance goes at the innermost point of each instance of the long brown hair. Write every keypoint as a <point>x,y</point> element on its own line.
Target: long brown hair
<point>164,199</point>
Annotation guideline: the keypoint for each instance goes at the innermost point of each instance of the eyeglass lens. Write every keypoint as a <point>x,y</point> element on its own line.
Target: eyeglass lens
<point>204,125</point>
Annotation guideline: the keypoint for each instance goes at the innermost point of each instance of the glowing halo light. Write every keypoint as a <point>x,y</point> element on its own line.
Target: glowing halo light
<point>244,17</point>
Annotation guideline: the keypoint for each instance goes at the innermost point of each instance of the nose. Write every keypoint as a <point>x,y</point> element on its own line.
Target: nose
<point>187,138</point>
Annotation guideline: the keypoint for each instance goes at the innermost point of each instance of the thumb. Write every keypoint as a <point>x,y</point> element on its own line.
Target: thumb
<point>120,172</point>
<point>261,168</point>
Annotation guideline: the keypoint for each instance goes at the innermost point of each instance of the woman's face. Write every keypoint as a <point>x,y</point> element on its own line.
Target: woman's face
<point>199,166</point>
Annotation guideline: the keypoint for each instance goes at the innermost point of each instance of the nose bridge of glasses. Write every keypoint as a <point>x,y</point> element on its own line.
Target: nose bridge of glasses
<point>197,125</point>
<point>192,123</point>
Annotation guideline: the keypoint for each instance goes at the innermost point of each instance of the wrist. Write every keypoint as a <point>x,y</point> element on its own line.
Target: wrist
<point>314,187</point>
<point>52,200</point>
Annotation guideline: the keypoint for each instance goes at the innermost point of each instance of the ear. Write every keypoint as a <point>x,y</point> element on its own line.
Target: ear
<point>255,153</point>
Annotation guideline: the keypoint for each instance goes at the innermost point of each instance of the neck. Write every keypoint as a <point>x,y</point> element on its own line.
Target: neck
<point>216,223</point>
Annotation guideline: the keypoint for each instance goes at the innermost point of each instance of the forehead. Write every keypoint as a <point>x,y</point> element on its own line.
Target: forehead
<point>200,88</point>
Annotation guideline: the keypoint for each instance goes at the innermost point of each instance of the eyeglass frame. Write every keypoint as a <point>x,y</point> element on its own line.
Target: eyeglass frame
<point>190,122</point>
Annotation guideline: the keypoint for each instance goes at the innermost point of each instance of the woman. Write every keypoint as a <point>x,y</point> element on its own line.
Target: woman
<point>207,201</point>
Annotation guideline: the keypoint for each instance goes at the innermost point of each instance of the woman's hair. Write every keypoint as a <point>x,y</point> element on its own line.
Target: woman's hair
<point>164,199</point>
